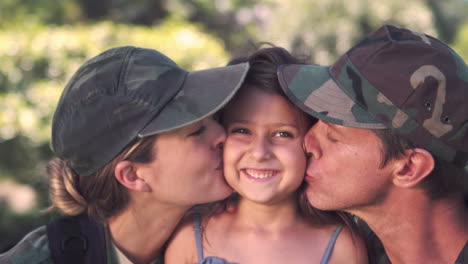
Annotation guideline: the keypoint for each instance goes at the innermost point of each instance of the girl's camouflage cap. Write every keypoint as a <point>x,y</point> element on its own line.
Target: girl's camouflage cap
<point>129,92</point>
<point>395,78</point>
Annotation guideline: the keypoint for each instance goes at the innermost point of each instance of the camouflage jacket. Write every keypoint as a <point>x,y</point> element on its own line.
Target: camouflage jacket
<point>34,249</point>
<point>461,259</point>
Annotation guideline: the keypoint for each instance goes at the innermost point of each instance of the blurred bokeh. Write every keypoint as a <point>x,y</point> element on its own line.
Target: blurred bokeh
<point>42,42</point>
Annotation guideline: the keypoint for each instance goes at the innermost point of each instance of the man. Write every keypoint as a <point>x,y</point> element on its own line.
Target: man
<point>391,142</point>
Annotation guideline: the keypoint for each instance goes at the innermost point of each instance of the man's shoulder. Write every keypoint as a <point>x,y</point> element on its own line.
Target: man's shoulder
<point>33,248</point>
<point>463,257</point>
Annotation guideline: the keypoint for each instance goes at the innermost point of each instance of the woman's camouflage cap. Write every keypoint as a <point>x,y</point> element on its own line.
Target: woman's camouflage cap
<point>395,78</point>
<point>129,92</point>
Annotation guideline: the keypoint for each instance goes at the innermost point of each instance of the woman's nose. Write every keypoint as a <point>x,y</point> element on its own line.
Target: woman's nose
<point>219,134</point>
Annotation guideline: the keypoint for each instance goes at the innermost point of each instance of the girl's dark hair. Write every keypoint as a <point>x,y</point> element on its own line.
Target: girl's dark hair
<point>263,75</point>
<point>263,67</point>
<point>99,195</point>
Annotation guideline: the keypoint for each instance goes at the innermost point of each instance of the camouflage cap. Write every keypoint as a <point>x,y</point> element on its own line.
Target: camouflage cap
<point>129,92</point>
<point>395,78</point>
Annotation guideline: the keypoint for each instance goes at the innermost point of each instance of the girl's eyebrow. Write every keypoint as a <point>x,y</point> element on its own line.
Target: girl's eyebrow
<point>243,121</point>
<point>285,124</point>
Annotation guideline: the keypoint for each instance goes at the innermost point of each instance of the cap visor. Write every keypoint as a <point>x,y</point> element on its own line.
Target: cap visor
<point>203,93</point>
<point>313,90</point>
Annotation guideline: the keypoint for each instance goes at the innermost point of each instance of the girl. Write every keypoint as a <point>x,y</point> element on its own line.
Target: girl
<point>264,162</point>
<point>137,147</point>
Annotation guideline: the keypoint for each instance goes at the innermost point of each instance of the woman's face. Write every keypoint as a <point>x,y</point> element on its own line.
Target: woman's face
<point>188,168</point>
<point>263,155</point>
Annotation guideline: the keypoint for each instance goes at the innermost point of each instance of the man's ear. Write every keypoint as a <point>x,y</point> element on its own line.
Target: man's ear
<point>125,172</point>
<point>413,167</point>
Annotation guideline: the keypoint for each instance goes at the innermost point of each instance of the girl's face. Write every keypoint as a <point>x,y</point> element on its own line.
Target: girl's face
<point>263,155</point>
<point>188,166</point>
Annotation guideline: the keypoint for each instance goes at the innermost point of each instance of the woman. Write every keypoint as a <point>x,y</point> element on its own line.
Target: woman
<point>136,146</point>
<point>266,221</point>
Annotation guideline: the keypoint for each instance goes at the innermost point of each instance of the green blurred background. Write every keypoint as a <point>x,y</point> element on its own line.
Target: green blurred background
<point>42,42</point>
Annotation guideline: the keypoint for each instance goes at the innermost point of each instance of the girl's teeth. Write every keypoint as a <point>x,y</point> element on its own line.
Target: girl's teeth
<point>260,174</point>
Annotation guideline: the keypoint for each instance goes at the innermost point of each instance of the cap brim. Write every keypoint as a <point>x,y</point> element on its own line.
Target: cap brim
<point>203,93</point>
<point>313,90</point>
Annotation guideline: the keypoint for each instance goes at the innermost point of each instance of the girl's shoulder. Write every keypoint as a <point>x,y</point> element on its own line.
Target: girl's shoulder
<point>349,247</point>
<point>181,247</point>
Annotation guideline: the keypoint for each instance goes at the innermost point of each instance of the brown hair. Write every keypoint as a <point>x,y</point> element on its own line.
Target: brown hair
<point>99,195</point>
<point>263,75</point>
<point>445,179</point>
<point>263,67</point>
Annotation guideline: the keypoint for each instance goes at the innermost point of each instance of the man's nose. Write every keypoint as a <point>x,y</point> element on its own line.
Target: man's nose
<point>312,143</point>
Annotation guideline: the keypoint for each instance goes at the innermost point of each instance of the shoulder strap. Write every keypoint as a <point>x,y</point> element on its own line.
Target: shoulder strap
<point>77,240</point>
<point>331,244</point>
<point>198,237</point>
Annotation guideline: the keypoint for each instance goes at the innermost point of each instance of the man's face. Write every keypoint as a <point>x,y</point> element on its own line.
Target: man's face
<point>344,168</point>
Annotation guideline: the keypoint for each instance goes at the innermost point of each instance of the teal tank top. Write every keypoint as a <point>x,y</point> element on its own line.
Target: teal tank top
<point>216,260</point>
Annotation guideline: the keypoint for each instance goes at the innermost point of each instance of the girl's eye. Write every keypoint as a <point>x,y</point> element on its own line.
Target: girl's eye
<point>284,134</point>
<point>198,132</point>
<point>240,131</point>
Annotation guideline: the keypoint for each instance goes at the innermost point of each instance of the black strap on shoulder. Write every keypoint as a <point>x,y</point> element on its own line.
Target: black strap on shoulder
<point>77,240</point>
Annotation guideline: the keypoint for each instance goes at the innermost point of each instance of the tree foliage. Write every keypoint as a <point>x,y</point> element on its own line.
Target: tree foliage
<point>461,42</point>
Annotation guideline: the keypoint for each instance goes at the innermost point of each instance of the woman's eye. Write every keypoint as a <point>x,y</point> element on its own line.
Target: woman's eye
<point>199,131</point>
<point>284,134</point>
<point>331,139</point>
<point>240,131</point>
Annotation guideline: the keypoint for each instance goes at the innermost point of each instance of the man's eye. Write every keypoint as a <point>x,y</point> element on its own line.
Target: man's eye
<point>332,139</point>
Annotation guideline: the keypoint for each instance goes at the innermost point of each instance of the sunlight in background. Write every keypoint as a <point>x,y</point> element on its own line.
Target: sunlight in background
<point>20,198</point>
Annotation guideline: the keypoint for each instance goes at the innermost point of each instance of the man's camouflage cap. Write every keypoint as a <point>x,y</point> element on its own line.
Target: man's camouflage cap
<point>129,92</point>
<point>395,78</point>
